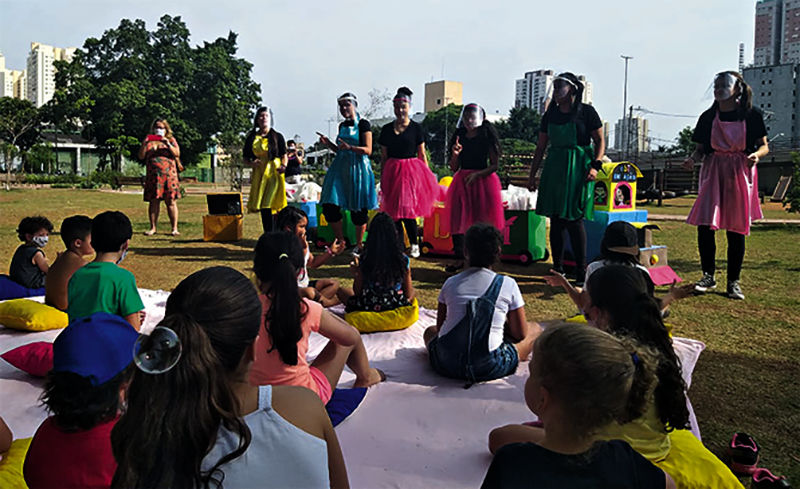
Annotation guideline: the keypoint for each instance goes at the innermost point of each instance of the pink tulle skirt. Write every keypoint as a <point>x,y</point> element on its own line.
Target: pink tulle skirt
<point>408,189</point>
<point>728,194</point>
<point>467,205</point>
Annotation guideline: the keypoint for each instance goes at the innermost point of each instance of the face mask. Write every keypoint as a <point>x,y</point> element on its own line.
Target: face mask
<point>161,132</point>
<point>122,257</point>
<point>41,241</point>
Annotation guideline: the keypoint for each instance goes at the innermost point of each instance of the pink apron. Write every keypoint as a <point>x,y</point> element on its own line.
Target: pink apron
<point>728,188</point>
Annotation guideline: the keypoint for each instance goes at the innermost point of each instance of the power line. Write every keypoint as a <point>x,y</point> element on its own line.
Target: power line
<point>648,111</point>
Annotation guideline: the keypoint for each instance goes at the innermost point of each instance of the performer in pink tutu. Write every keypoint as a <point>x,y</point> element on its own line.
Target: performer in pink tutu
<point>408,187</point>
<point>474,194</point>
<point>731,138</point>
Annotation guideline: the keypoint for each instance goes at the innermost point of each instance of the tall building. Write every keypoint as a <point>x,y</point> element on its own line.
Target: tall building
<point>768,34</point>
<point>11,81</point>
<point>533,91</point>
<point>777,33</point>
<point>41,81</point>
<point>630,135</point>
<point>775,92</point>
<point>441,93</point>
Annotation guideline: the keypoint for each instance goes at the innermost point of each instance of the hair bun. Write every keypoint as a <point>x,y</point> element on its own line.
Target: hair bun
<point>404,91</point>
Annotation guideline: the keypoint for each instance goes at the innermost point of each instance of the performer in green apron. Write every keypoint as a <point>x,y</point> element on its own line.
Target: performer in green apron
<point>566,191</point>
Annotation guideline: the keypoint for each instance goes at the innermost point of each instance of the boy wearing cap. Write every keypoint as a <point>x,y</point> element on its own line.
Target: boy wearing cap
<point>76,232</point>
<point>72,448</point>
<point>102,285</point>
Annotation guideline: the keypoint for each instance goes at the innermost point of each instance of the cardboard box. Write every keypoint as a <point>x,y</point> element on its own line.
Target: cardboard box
<point>223,228</point>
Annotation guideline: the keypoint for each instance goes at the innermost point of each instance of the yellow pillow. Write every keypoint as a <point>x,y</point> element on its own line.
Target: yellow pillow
<point>11,465</point>
<point>374,322</point>
<point>30,315</point>
<point>692,466</point>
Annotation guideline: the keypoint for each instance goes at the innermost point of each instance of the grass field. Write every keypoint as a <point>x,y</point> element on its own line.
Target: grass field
<point>748,378</point>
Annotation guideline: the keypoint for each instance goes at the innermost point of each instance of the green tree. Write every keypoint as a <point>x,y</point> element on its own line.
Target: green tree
<point>684,146</point>
<point>19,128</point>
<point>439,126</point>
<point>40,158</point>
<point>523,124</point>
<point>117,84</point>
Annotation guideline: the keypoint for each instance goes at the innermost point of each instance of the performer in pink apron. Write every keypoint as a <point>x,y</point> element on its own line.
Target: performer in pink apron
<point>731,138</point>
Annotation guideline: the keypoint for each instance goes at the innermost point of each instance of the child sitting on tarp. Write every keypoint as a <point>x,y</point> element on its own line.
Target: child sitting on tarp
<point>76,232</point>
<point>581,379</point>
<point>289,320</point>
<point>295,220</point>
<point>619,303</point>
<point>619,246</point>
<point>481,332</point>
<point>29,265</point>
<point>72,448</point>
<point>382,277</point>
<point>102,286</point>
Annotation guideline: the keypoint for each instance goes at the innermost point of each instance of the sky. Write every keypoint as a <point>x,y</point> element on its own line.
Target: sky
<point>306,53</point>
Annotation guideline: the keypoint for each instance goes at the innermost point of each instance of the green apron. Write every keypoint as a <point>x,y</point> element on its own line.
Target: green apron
<point>563,189</point>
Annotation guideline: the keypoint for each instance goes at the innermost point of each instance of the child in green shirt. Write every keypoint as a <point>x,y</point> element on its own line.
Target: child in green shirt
<point>102,285</point>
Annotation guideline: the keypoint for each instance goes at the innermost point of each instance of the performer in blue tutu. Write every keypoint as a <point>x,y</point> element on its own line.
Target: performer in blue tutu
<point>349,183</point>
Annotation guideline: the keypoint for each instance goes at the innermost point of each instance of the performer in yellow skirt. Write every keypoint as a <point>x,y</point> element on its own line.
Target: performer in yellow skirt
<point>265,152</point>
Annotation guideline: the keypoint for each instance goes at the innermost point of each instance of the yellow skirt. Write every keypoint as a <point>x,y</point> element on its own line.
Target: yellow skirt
<point>268,188</point>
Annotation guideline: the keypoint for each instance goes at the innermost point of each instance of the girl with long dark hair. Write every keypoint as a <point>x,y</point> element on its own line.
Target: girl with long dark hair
<point>201,424</point>
<point>569,128</point>
<point>581,379</point>
<point>474,194</point>
<point>265,151</point>
<point>731,139</point>
<point>349,183</point>
<point>382,277</point>
<point>288,322</point>
<point>619,303</point>
<point>408,187</point>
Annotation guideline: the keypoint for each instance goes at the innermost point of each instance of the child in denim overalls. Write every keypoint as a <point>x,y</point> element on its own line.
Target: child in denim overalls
<point>481,332</point>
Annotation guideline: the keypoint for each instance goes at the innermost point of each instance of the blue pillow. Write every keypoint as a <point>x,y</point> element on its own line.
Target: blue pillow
<point>343,402</point>
<point>12,290</point>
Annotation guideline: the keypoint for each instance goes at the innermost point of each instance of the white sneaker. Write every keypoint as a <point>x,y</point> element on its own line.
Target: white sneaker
<point>415,251</point>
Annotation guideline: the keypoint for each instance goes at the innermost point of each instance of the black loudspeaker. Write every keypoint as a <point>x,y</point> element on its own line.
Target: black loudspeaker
<point>226,204</point>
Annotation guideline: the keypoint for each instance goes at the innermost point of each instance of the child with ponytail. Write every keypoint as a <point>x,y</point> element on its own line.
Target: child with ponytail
<point>288,322</point>
<point>581,379</point>
<point>295,220</point>
<point>201,424</point>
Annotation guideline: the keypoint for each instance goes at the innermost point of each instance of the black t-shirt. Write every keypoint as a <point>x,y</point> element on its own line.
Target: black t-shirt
<point>278,152</point>
<point>22,269</point>
<point>363,128</point>
<point>475,151</point>
<point>754,128</point>
<point>587,120</point>
<point>293,166</point>
<point>403,145</point>
<point>612,464</point>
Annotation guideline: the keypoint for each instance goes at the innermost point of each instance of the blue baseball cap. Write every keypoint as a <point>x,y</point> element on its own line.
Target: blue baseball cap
<point>97,347</point>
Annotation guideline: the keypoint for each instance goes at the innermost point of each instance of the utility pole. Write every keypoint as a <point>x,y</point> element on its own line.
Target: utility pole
<point>625,122</point>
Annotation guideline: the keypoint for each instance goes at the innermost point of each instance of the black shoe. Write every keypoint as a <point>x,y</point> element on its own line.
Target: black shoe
<point>706,283</point>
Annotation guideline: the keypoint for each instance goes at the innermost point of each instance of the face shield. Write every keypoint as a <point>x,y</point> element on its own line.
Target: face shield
<point>724,86</point>
<point>563,88</point>
<point>348,103</point>
<point>472,116</point>
<point>265,119</point>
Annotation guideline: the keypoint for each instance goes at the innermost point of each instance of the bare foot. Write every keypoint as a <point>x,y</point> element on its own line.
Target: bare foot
<point>376,376</point>
<point>176,233</point>
<point>150,233</point>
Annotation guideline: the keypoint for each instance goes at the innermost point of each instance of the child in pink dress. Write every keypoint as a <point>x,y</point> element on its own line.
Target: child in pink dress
<point>731,138</point>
